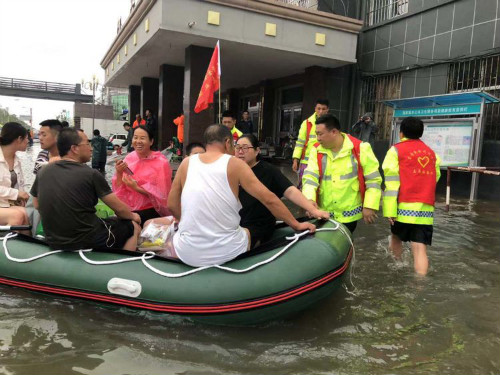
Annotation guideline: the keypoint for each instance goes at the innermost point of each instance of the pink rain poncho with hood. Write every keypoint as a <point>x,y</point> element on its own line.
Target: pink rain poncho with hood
<point>154,175</point>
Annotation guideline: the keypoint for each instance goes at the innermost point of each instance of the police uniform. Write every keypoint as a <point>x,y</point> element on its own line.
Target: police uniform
<point>335,186</point>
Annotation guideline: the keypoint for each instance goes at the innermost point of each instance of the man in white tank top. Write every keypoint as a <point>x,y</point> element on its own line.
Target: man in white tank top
<point>204,198</point>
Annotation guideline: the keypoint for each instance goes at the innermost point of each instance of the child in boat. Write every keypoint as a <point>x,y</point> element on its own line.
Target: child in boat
<point>411,171</point>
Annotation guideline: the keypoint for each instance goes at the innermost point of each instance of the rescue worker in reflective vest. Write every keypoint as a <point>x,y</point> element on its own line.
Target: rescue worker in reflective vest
<point>411,172</point>
<point>306,139</point>
<point>342,175</point>
<point>229,121</point>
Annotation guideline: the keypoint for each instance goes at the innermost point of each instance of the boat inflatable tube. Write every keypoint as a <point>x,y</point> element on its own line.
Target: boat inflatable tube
<point>307,271</point>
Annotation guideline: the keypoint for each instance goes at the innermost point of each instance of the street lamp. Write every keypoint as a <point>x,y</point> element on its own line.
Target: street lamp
<point>92,85</point>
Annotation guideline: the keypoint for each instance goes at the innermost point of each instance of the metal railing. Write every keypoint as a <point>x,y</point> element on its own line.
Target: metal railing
<point>309,4</point>
<point>383,10</point>
<point>25,84</point>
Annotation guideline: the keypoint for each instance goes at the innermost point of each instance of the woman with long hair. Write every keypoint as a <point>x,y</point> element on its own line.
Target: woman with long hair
<point>13,197</point>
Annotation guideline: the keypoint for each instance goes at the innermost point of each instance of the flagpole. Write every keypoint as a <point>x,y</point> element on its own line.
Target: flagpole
<point>220,105</point>
<point>219,74</point>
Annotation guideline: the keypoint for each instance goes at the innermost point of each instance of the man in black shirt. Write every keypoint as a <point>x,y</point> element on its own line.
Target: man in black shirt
<point>66,192</point>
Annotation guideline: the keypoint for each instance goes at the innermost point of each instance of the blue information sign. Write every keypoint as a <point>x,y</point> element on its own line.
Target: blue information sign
<point>468,109</point>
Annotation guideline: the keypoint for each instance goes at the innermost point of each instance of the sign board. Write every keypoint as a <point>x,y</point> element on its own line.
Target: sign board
<point>450,140</point>
<point>467,109</point>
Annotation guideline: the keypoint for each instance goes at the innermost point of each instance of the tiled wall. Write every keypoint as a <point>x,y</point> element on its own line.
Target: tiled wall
<point>451,30</point>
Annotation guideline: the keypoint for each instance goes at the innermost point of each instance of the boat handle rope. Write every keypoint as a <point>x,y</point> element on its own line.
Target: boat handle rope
<point>149,255</point>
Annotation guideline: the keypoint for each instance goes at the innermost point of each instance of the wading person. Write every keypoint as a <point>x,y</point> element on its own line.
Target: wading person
<point>179,122</point>
<point>66,192</point>
<point>13,138</point>
<point>411,172</point>
<point>259,221</point>
<point>306,139</point>
<point>49,129</point>
<point>204,198</point>
<point>130,134</point>
<point>246,124</point>
<point>342,175</point>
<point>99,151</point>
<point>143,179</point>
<point>229,121</point>
<point>139,121</point>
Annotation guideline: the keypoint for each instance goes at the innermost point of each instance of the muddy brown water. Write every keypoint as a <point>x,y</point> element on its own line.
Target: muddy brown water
<point>395,323</point>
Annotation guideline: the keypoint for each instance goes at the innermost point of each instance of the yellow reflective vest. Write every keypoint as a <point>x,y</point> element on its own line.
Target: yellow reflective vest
<point>236,133</point>
<point>339,187</point>
<point>302,138</point>
<point>404,212</point>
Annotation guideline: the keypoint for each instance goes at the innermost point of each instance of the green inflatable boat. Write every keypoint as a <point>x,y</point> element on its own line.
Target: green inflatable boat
<point>278,279</point>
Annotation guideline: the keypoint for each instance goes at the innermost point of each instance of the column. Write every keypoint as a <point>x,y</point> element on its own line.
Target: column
<point>134,102</point>
<point>196,65</point>
<point>315,82</point>
<point>171,88</point>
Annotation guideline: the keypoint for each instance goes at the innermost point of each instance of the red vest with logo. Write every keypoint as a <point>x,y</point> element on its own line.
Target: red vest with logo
<point>417,172</point>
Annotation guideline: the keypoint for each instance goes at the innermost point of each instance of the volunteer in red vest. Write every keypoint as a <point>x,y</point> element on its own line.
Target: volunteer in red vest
<point>307,138</point>
<point>229,121</point>
<point>411,172</point>
<point>342,175</point>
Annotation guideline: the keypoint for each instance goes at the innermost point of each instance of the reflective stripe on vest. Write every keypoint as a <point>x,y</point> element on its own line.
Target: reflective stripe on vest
<point>413,213</point>
<point>352,213</point>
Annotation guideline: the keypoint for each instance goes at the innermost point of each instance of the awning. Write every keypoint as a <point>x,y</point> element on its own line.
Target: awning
<point>470,97</point>
<point>464,103</point>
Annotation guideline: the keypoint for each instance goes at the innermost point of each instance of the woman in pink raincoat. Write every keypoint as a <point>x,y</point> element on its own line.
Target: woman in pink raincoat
<point>144,178</point>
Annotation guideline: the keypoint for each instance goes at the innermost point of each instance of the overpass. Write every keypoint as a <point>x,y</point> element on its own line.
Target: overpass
<point>42,90</point>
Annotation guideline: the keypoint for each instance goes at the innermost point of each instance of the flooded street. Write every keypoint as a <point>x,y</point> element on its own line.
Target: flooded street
<point>392,323</point>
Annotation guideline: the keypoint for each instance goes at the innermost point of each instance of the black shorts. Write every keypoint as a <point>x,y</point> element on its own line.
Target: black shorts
<point>413,232</point>
<point>113,233</point>
<point>147,214</point>
<point>259,234</point>
<point>351,226</point>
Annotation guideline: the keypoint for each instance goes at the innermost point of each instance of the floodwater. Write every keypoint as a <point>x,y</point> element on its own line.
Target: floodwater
<point>395,323</point>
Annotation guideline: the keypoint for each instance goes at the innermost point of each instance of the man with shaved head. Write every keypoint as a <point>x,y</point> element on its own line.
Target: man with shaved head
<point>204,198</point>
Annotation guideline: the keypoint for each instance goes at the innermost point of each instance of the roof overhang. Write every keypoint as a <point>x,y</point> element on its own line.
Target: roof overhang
<point>462,98</point>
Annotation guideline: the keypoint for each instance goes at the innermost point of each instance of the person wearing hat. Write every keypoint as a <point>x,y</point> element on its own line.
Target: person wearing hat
<point>365,129</point>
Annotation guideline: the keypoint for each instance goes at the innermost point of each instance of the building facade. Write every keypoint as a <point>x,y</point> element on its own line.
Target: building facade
<point>413,48</point>
<point>277,58</point>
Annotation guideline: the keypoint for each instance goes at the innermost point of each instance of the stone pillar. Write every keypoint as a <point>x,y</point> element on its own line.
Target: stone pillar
<point>134,102</point>
<point>233,97</point>
<point>267,99</point>
<point>196,65</point>
<point>149,95</point>
<point>315,87</point>
<point>170,102</point>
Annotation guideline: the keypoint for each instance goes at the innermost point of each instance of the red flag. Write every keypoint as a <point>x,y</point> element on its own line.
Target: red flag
<point>211,83</point>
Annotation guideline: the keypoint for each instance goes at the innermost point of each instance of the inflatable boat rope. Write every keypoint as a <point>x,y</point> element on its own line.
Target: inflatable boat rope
<point>150,255</point>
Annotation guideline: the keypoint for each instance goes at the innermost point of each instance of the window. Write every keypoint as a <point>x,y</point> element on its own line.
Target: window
<point>481,73</point>
<point>374,90</point>
<point>382,10</point>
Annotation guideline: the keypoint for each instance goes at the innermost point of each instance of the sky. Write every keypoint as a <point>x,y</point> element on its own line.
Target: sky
<point>55,40</point>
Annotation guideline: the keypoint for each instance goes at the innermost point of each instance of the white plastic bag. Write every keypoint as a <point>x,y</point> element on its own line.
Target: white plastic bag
<point>156,237</point>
